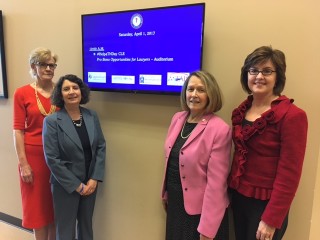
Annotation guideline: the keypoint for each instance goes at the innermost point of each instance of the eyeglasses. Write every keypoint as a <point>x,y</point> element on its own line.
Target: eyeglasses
<point>265,72</point>
<point>45,65</point>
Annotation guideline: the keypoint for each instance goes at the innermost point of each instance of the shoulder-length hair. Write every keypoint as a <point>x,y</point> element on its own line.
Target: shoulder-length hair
<point>212,88</point>
<point>56,96</point>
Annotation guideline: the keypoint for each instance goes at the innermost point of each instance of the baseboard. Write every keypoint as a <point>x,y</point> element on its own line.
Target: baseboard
<point>16,222</point>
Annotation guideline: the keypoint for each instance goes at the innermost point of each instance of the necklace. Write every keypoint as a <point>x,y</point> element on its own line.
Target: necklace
<point>75,122</point>
<point>40,106</point>
<point>181,133</point>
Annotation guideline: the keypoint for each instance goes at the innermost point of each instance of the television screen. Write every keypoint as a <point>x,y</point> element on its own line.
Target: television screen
<point>142,51</point>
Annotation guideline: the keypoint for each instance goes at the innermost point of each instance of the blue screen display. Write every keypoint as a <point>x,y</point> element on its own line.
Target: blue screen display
<point>145,51</point>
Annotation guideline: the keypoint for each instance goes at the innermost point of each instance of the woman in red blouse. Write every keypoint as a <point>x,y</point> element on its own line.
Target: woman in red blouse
<point>31,105</point>
<point>269,134</point>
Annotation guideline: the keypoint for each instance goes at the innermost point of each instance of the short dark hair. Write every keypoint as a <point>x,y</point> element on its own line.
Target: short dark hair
<point>261,55</point>
<point>56,96</point>
<point>212,88</point>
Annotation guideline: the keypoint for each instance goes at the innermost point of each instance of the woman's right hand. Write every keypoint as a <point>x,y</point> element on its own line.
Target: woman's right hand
<point>26,173</point>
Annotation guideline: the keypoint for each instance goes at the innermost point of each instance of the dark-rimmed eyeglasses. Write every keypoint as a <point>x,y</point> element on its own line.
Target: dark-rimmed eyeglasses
<point>265,72</point>
<point>45,65</point>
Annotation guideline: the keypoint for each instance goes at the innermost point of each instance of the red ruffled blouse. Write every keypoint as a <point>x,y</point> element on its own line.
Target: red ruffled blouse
<point>269,154</point>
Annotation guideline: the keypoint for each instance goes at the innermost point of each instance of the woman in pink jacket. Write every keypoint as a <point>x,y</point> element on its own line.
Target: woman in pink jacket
<point>197,151</point>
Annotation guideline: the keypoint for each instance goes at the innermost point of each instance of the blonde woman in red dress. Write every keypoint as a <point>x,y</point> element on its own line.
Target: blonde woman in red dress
<point>31,105</point>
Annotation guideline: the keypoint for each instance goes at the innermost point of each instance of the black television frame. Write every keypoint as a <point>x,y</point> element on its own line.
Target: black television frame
<point>3,72</point>
<point>142,9</point>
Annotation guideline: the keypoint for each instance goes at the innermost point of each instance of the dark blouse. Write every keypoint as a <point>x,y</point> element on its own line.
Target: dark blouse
<point>85,142</point>
<point>173,175</point>
<point>246,122</point>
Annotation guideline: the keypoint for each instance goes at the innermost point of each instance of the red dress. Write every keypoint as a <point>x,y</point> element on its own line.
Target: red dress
<point>37,203</point>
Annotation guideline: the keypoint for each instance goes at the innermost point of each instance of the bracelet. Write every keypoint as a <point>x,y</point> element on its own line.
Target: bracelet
<point>81,190</point>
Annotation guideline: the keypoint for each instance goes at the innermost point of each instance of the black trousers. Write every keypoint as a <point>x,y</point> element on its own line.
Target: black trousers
<point>247,214</point>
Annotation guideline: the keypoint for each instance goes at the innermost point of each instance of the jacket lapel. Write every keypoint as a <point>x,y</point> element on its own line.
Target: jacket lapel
<point>65,123</point>
<point>198,129</point>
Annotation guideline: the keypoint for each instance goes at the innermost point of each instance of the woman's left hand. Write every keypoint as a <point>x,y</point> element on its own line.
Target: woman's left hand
<point>90,187</point>
<point>265,232</point>
<point>202,237</point>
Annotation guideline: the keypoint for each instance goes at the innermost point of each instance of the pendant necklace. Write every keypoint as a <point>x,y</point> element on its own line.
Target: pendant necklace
<point>39,103</point>
<point>75,122</point>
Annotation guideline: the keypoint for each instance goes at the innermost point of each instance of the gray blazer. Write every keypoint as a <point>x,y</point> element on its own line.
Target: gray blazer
<point>64,153</point>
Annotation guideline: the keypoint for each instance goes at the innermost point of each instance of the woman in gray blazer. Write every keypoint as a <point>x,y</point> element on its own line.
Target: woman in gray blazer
<point>75,150</point>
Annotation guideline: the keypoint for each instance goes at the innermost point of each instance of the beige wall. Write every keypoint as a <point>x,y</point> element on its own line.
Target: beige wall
<point>315,220</point>
<point>128,203</point>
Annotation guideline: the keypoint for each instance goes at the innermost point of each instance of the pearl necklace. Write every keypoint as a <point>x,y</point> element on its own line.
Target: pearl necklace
<point>78,124</point>
<point>181,133</point>
<point>40,106</point>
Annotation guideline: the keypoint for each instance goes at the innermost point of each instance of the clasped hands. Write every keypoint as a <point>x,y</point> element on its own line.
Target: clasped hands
<point>87,189</point>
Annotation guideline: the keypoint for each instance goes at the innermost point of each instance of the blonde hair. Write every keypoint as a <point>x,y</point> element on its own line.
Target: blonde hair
<point>40,54</point>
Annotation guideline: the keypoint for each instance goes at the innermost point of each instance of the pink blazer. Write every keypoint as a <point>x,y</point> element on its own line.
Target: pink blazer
<point>204,167</point>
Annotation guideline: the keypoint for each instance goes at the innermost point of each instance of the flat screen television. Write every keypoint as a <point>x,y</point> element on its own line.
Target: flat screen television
<point>149,50</point>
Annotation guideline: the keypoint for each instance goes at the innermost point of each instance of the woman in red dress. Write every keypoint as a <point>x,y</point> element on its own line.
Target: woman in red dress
<point>31,105</point>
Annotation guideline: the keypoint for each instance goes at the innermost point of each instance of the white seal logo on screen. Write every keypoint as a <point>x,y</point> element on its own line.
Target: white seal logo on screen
<point>136,21</point>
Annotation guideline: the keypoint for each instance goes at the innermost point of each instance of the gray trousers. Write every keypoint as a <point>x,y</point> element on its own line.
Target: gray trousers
<point>70,208</point>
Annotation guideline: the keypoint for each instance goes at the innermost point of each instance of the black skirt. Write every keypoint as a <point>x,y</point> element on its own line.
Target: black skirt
<point>182,226</point>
